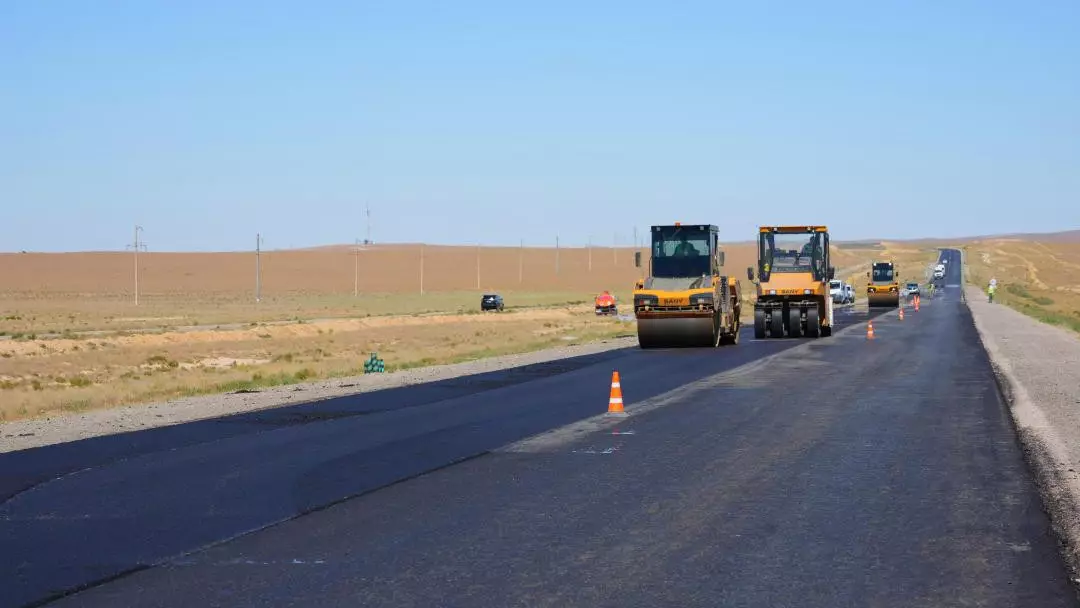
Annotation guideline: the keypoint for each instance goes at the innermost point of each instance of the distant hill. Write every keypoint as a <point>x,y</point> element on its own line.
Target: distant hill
<point>1064,236</point>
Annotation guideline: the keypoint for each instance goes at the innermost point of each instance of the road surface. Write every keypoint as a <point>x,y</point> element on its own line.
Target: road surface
<point>835,472</point>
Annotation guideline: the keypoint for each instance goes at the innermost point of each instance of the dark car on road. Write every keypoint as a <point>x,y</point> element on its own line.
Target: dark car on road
<point>491,301</point>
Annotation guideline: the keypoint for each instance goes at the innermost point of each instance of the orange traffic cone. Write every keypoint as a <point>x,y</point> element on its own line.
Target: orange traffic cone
<point>902,312</point>
<point>916,303</point>
<point>615,404</point>
<point>870,330</point>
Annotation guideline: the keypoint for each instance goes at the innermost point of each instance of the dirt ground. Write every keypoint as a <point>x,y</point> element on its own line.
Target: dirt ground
<point>87,291</point>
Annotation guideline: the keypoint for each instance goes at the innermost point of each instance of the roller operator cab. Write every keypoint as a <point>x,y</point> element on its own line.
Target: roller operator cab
<point>684,300</point>
<point>883,289</point>
<point>793,282</point>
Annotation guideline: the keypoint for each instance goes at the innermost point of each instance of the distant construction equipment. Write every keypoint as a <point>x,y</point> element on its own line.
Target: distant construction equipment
<point>605,304</point>
<point>883,289</point>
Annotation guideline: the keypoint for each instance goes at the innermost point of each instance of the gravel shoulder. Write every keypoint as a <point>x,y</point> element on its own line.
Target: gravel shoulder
<point>1038,368</point>
<point>21,435</point>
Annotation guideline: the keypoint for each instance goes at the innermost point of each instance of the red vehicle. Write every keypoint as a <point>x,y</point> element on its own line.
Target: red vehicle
<point>605,304</point>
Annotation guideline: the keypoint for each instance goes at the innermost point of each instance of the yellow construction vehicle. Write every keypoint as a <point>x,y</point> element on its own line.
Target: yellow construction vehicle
<point>883,289</point>
<point>684,300</point>
<point>793,274</point>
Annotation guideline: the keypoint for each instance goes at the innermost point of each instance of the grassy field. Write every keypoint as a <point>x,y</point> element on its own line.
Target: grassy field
<point>72,338</point>
<point>1040,279</point>
<point>69,315</point>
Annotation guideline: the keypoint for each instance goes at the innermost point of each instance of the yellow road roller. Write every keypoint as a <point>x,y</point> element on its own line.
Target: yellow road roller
<point>883,289</point>
<point>793,295</point>
<point>684,300</point>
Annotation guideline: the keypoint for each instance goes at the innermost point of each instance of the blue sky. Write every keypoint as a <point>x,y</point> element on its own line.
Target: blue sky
<point>465,122</point>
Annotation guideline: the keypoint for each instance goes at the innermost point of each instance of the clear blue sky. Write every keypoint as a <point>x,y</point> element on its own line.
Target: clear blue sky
<point>460,122</point>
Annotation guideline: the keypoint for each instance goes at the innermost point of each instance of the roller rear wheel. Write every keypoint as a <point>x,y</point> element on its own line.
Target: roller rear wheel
<point>813,322</point>
<point>794,318</point>
<point>777,323</point>
<point>759,324</point>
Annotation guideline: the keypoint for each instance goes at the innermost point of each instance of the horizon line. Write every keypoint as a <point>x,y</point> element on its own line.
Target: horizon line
<point>395,244</point>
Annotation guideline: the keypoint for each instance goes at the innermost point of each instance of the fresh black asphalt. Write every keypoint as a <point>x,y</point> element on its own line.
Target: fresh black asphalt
<point>152,494</point>
<point>843,472</point>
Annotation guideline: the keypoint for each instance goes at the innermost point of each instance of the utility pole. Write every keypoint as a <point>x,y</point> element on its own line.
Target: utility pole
<point>590,253</point>
<point>258,267</point>
<point>421,269</point>
<point>478,267</point>
<point>367,211</point>
<point>356,269</point>
<point>556,255</point>
<point>136,245</point>
<point>615,249</point>
<point>521,260</point>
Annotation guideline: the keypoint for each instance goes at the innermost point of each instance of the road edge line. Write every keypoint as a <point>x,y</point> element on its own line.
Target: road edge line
<point>575,431</point>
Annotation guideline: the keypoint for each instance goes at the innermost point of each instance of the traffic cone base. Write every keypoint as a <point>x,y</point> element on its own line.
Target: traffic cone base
<point>615,402</point>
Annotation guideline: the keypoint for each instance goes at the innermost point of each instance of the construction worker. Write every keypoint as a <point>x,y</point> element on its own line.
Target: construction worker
<point>990,290</point>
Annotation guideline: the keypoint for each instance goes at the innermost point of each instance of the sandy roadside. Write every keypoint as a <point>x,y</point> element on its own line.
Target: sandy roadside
<point>20,435</point>
<point>1038,371</point>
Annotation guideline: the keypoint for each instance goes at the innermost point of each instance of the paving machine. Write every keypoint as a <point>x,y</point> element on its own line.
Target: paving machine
<point>883,289</point>
<point>684,300</point>
<point>793,273</point>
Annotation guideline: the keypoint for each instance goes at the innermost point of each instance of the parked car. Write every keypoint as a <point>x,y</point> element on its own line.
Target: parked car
<point>911,289</point>
<point>491,301</point>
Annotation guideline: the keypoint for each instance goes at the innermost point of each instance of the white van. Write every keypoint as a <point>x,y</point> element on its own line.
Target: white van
<point>841,292</point>
<point>836,290</point>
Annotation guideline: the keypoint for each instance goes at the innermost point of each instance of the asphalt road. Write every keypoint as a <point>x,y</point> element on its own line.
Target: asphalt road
<point>154,494</point>
<point>835,472</point>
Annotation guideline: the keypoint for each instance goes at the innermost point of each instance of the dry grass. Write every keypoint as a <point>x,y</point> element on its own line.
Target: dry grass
<point>1041,279</point>
<point>76,375</point>
<point>76,341</point>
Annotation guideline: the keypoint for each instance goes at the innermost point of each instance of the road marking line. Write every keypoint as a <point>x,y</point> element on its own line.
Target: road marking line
<point>549,441</point>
